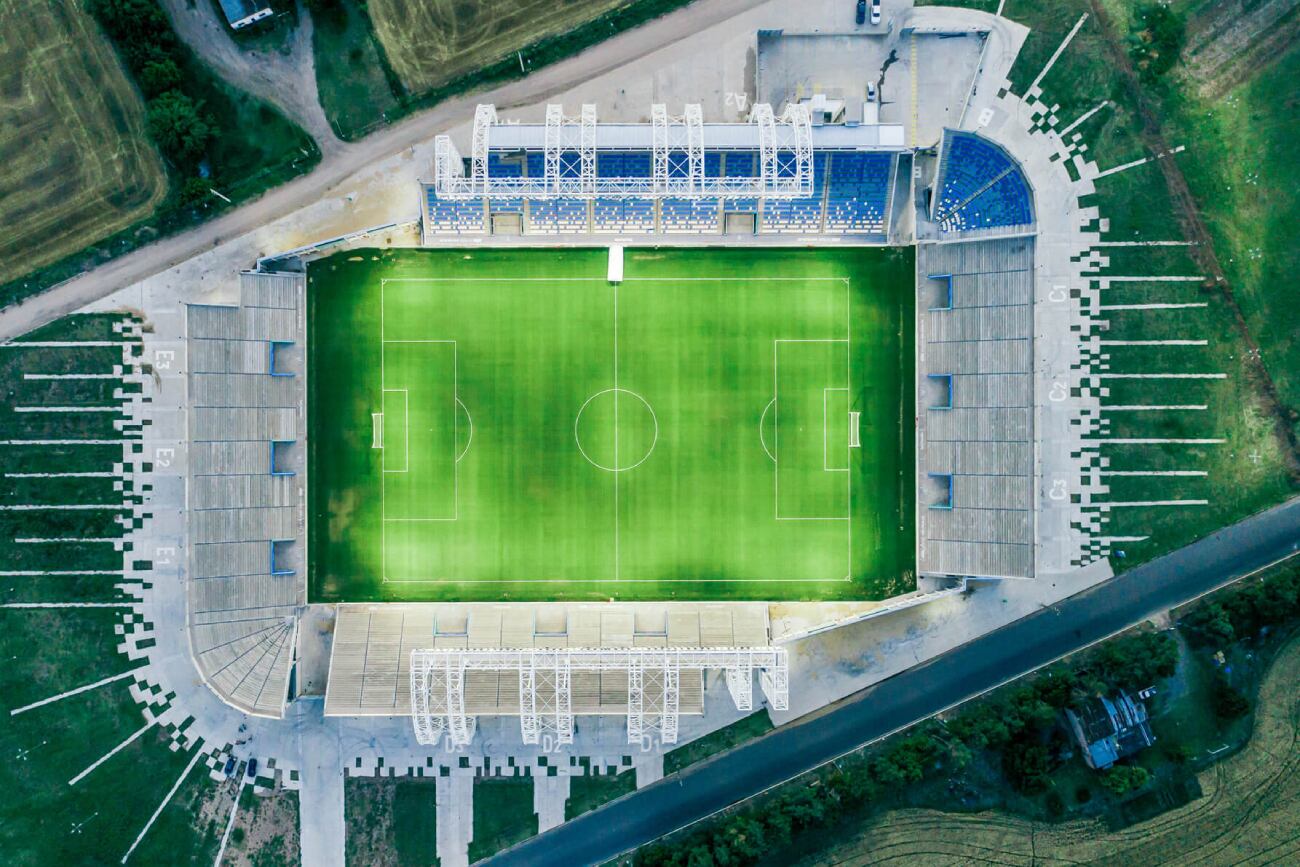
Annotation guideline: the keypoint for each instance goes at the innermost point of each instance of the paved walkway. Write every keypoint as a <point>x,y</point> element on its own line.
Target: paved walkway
<point>918,693</point>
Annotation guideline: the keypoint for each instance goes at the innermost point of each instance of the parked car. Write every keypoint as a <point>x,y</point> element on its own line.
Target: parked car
<point>862,11</point>
<point>871,91</point>
<point>252,769</point>
<point>230,766</point>
<point>875,11</point>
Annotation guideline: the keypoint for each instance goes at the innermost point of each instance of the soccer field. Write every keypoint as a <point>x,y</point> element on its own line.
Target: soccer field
<point>507,424</point>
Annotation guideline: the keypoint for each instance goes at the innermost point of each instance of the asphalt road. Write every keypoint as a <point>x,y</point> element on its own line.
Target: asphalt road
<point>916,694</point>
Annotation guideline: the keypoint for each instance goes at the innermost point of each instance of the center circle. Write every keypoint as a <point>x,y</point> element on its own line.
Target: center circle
<point>616,430</point>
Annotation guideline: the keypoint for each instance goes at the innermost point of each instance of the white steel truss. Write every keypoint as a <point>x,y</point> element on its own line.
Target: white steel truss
<point>545,686</point>
<point>485,116</point>
<point>677,144</point>
<point>678,151</point>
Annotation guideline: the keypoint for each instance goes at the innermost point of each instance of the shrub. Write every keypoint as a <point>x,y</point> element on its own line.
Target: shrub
<point>1228,702</point>
<point>1156,41</point>
<point>1055,804</point>
<point>177,124</point>
<point>1122,779</point>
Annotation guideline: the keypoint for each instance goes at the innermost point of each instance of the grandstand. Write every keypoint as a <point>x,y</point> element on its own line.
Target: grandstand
<point>673,176</point>
<point>979,187</point>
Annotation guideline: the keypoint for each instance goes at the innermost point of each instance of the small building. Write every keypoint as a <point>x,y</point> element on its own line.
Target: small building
<point>1110,729</point>
<point>241,13</point>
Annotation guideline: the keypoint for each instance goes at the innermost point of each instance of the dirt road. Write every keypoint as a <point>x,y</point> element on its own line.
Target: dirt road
<point>348,159</point>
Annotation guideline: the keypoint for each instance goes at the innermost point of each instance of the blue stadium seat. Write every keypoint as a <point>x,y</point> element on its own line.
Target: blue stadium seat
<point>445,217</point>
<point>740,164</point>
<point>623,215</point>
<point>981,187</point>
<point>802,214</point>
<point>498,168</point>
<point>857,193</point>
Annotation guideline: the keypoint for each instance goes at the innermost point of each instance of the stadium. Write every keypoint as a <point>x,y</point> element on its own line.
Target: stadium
<point>637,383</point>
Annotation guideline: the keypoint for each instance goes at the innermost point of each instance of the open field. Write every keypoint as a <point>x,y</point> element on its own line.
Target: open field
<point>1249,814</point>
<point>504,424</point>
<point>431,42</point>
<point>94,171</point>
<point>1242,186</point>
<point>503,814</point>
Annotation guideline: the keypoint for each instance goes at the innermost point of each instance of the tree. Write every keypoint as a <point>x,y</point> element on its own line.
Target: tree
<point>1228,702</point>
<point>1122,779</point>
<point>1211,625</point>
<point>1026,765</point>
<point>1136,661</point>
<point>1156,41</point>
<point>159,75</point>
<point>177,124</point>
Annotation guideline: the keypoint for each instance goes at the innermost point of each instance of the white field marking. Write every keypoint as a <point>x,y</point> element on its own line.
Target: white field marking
<point>603,280</point>
<point>31,540</point>
<point>1197,473</point>
<point>1083,117</point>
<point>616,468</point>
<point>469,418</point>
<point>198,753</point>
<point>1155,343</point>
<point>377,430</point>
<point>230,823</point>
<point>1158,375</point>
<point>1154,306</point>
<point>62,442</point>
<point>1169,278</point>
<point>618,530</point>
<point>62,475</point>
<point>599,581</point>
<point>826,433</point>
<point>63,344</point>
<point>1136,163</point>
<point>1123,538</point>
<point>75,376</point>
<point>1152,408</point>
<point>1142,244</point>
<point>123,676</point>
<point>855,433</point>
<point>67,605</point>
<point>114,751</point>
<point>776,424</point>
<point>54,573</point>
<point>67,409</point>
<point>406,429</point>
<point>1137,503</point>
<point>384,520</point>
<point>763,440</point>
<point>1155,441</point>
<point>87,508</point>
<point>1060,49</point>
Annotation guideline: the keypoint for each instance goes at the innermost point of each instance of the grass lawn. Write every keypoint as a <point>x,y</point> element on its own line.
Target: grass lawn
<point>755,725</point>
<point>588,792</point>
<point>503,814</point>
<point>355,92</point>
<point>415,829</point>
<point>547,435</point>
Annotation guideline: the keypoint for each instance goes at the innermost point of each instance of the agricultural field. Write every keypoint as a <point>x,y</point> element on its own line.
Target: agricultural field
<point>95,171</point>
<point>509,424</point>
<point>1250,808</point>
<point>432,42</point>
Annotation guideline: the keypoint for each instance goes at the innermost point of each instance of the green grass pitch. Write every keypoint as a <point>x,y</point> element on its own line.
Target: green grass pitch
<point>508,425</point>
